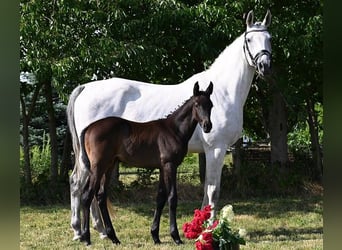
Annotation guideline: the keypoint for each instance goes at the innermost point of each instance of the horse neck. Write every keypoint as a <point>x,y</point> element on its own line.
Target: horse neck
<point>231,73</point>
<point>182,120</point>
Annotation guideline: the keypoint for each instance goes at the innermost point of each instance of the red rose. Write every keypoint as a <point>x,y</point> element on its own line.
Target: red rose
<point>205,241</point>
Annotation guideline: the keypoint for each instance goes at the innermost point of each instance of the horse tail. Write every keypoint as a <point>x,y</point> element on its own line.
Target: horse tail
<point>71,121</point>
<point>110,208</point>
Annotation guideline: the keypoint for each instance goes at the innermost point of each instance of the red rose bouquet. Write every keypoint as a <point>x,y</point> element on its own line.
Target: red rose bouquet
<point>213,234</point>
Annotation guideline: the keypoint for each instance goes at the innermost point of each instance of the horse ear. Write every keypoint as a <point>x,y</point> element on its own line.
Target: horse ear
<point>209,90</point>
<point>267,20</point>
<point>250,19</point>
<point>196,89</point>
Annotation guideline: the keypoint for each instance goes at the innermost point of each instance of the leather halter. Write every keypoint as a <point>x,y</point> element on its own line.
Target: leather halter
<point>259,54</point>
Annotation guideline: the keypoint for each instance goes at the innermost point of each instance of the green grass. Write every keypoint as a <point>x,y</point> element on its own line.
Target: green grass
<point>272,223</point>
<point>281,223</point>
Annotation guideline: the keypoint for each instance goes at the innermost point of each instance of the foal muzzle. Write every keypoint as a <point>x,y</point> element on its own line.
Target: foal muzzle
<point>206,126</point>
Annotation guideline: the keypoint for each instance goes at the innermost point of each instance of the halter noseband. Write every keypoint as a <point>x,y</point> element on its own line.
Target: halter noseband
<point>259,54</point>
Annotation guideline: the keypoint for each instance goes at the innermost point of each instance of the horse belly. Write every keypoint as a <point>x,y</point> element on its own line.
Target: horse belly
<point>139,155</point>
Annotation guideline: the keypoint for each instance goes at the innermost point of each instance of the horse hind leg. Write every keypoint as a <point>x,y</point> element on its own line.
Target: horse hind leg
<point>86,199</point>
<point>161,200</point>
<point>75,205</point>
<point>96,213</point>
<point>102,202</point>
<point>97,220</point>
<point>171,188</point>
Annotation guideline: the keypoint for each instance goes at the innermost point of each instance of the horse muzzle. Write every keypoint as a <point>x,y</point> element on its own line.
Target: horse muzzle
<point>263,65</point>
<point>206,126</point>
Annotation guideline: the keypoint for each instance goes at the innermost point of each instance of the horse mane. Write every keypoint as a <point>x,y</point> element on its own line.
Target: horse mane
<point>186,101</point>
<point>172,112</point>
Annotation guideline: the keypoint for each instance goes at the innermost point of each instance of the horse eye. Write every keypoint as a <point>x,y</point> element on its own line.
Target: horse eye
<point>248,40</point>
<point>196,104</point>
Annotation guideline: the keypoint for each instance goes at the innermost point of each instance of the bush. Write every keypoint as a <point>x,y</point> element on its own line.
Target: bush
<point>42,190</point>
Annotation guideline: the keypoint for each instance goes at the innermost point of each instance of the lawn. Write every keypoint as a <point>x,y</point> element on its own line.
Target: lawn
<point>292,222</point>
<point>274,223</point>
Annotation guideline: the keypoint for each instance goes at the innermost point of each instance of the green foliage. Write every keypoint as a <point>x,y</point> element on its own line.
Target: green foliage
<point>299,138</point>
<point>40,160</point>
<point>165,42</point>
<point>41,191</point>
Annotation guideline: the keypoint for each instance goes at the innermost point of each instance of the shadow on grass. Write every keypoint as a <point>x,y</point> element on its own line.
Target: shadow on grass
<point>277,207</point>
<point>284,234</point>
<point>190,198</point>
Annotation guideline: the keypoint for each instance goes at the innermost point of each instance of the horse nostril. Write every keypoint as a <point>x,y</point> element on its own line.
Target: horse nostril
<point>207,127</point>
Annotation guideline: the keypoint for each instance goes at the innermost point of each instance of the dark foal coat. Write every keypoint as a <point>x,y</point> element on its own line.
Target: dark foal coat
<point>159,144</point>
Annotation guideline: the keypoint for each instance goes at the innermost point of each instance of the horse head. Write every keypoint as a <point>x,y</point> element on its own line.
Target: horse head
<point>202,106</point>
<point>257,43</point>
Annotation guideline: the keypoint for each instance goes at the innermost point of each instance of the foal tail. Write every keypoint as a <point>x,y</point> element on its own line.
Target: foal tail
<point>71,121</point>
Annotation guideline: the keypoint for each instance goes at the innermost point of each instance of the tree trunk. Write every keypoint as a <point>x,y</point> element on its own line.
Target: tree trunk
<point>52,132</point>
<point>26,116</point>
<point>26,146</point>
<point>315,147</point>
<point>237,157</point>
<point>66,163</point>
<point>278,129</point>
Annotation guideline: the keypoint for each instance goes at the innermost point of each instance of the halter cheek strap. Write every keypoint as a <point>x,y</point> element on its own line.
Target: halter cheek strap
<point>255,58</point>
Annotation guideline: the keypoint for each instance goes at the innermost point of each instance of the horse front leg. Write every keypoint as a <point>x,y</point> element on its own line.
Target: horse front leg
<point>160,203</point>
<point>214,163</point>
<point>170,178</point>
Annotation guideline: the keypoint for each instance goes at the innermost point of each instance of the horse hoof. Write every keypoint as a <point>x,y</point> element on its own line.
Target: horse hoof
<point>116,242</point>
<point>103,236</point>
<point>76,237</point>
<point>157,241</point>
<point>179,242</point>
<point>84,238</point>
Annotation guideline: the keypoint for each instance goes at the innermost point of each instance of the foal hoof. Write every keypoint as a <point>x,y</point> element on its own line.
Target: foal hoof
<point>157,241</point>
<point>116,241</point>
<point>179,242</point>
<point>84,238</point>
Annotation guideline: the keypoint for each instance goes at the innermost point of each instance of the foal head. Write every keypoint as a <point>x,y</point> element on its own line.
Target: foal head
<point>202,106</point>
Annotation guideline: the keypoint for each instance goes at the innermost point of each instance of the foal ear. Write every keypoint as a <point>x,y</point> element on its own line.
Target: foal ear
<point>250,19</point>
<point>267,20</point>
<point>196,89</point>
<point>209,90</point>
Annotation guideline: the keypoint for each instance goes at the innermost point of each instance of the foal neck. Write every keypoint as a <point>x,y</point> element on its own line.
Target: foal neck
<point>182,120</point>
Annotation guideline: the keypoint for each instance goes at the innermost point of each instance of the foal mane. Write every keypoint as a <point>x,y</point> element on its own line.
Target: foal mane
<point>184,102</point>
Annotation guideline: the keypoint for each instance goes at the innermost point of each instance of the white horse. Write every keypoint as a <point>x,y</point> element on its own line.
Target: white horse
<point>232,73</point>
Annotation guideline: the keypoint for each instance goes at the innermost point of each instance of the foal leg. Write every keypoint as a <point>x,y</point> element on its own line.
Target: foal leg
<point>102,201</point>
<point>86,199</point>
<point>96,212</point>
<point>161,200</point>
<point>96,219</point>
<point>170,178</point>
